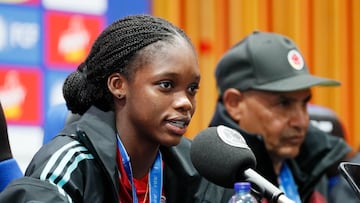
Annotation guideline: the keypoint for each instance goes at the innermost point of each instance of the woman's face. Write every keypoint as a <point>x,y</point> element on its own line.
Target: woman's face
<point>160,99</point>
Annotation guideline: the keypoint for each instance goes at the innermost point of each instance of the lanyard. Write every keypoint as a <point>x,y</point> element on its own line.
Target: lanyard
<point>155,176</point>
<point>287,184</point>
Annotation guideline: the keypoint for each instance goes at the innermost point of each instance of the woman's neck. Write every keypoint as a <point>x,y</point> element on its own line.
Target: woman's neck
<point>142,155</point>
<point>141,163</point>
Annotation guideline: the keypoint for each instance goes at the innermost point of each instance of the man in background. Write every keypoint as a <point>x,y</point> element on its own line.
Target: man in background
<point>264,88</point>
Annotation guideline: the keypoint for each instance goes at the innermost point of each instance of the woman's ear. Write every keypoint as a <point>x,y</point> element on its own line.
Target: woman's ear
<point>117,85</point>
<point>232,101</point>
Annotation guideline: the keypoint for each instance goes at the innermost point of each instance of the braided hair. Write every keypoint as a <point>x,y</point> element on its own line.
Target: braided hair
<point>119,48</point>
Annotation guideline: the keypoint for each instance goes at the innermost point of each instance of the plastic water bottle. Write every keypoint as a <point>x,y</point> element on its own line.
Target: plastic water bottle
<point>242,193</point>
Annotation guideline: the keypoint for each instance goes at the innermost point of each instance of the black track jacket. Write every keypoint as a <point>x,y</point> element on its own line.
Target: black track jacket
<point>79,165</point>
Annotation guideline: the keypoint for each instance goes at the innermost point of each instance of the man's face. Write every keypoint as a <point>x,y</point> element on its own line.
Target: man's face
<point>280,117</point>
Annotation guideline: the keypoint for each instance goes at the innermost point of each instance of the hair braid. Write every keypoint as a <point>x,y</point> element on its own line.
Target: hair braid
<point>113,51</point>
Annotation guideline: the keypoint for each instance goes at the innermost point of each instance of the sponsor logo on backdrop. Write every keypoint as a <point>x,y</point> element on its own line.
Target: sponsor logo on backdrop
<point>97,7</point>
<point>74,40</point>
<point>20,1</point>
<point>20,94</point>
<point>20,33</point>
<point>54,80</point>
<point>69,37</point>
<point>12,94</point>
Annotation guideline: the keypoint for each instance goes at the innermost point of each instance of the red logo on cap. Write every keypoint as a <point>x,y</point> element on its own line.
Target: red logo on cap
<point>295,60</point>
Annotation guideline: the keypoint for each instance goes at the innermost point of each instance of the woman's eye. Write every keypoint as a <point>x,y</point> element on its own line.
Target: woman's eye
<point>194,88</point>
<point>165,84</point>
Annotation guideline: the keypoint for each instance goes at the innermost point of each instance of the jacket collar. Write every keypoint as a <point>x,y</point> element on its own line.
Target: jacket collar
<point>99,128</point>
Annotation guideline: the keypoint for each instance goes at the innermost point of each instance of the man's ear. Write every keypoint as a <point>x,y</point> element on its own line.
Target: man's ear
<point>232,101</point>
<point>117,85</point>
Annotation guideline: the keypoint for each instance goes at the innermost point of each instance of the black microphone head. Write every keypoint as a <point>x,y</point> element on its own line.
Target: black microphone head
<point>221,155</point>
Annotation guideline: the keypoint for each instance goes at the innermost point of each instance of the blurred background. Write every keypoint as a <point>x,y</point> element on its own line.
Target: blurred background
<point>42,41</point>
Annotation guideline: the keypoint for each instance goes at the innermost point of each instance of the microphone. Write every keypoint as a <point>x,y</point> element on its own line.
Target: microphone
<point>221,155</point>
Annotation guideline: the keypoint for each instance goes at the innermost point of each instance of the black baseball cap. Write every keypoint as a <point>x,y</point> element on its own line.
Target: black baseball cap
<point>266,61</point>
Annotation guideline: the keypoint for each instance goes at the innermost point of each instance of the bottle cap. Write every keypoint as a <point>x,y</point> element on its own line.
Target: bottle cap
<point>242,186</point>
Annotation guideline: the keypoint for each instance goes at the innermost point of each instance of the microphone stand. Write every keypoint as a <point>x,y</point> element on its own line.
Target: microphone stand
<point>263,188</point>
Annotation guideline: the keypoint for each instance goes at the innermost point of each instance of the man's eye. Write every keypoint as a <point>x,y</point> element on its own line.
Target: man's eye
<point>285,103</point>
<point>165,84</point>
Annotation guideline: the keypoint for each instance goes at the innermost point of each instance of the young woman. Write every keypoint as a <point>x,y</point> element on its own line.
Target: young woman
<point>136,94</point>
